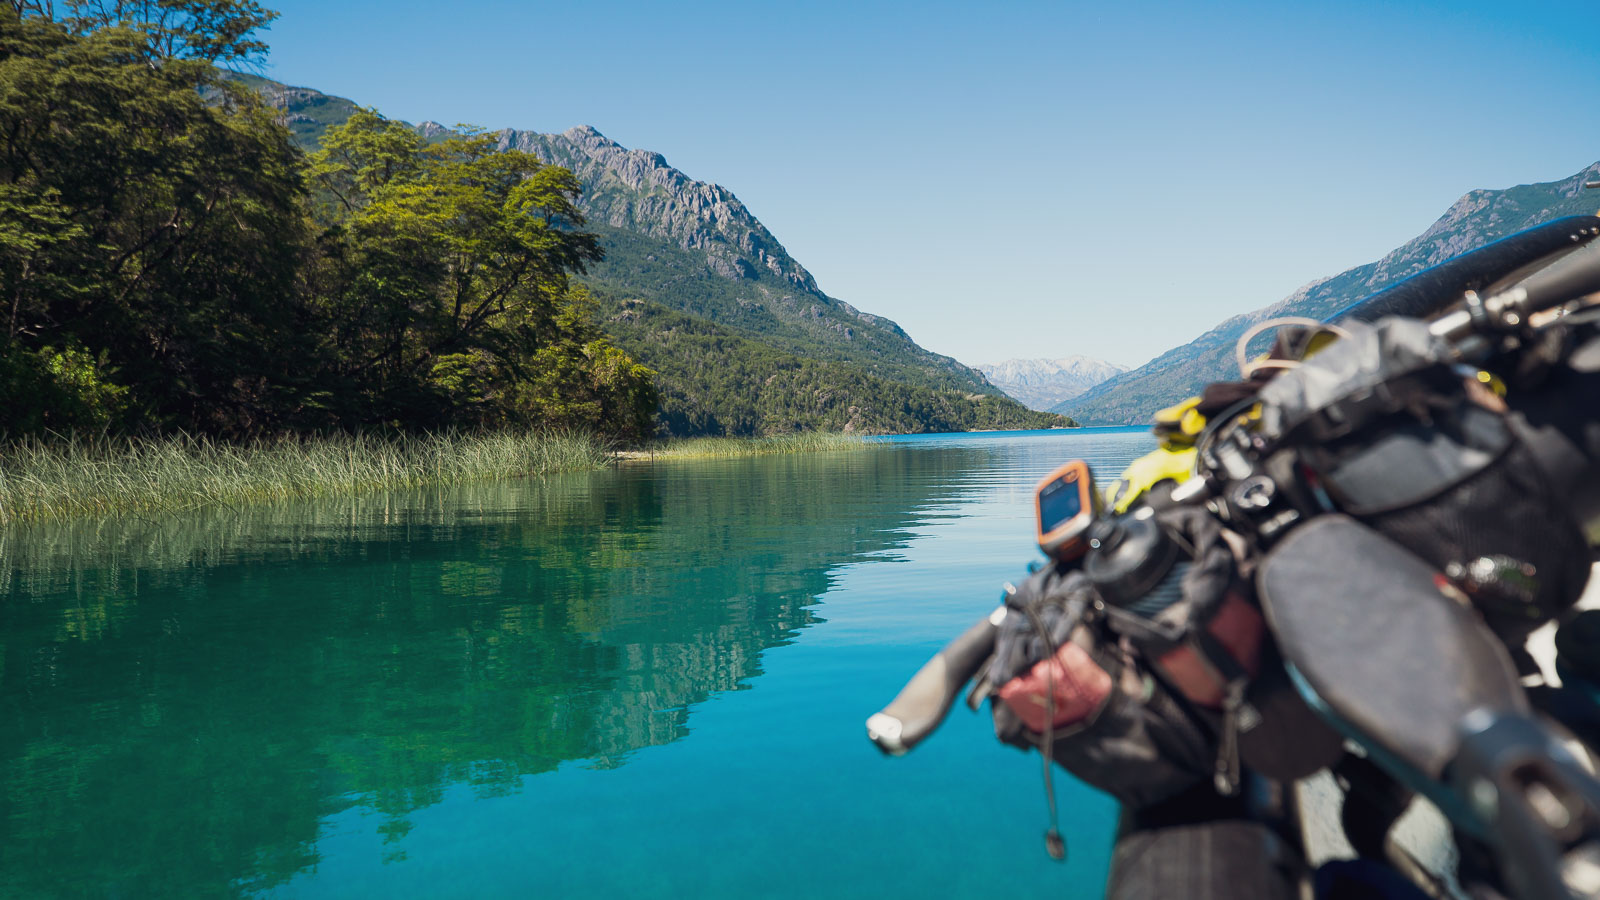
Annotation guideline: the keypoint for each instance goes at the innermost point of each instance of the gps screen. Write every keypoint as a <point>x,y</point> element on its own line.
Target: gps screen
<point>1058,502</point>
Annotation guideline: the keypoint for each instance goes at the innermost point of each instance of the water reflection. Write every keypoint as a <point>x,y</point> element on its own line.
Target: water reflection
<point>183,701</point>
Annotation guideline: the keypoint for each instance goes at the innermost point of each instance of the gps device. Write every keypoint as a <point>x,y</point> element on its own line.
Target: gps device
<point>1066,503</point>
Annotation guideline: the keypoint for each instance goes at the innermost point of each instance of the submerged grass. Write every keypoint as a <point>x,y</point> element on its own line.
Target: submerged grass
<point>71,477</point>
<point>699,448</point>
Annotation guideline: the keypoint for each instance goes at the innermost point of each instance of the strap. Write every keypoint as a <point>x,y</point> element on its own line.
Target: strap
<point>1233,679</point>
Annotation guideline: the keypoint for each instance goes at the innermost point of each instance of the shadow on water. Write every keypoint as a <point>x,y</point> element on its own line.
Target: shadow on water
<point>184,701</point>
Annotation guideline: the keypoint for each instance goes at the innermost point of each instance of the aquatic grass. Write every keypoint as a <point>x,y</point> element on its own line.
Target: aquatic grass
<point>711,447</point>
<point>63,478</point>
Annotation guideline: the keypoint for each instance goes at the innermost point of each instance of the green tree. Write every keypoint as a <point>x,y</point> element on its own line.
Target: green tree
<point>151,215</point>
<point>447,295</point>
<point>170,260</point>
<point>216,31</point>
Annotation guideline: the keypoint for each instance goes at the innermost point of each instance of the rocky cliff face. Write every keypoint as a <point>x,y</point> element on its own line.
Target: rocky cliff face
<point>1042,383</point>
<point>756,286</point>
<point>638,191</point>
<point>1476,219</point>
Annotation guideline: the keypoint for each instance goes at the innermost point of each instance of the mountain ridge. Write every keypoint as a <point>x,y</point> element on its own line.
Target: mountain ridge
<point>1042,383</point>
<point>667,194</point>
<point>1478,217</point>
<point>693,248</point>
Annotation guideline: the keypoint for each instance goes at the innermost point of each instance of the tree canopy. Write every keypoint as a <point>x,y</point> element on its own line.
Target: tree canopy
<point>215,31</point>
<point>170,260</point>
<point>450,295</point>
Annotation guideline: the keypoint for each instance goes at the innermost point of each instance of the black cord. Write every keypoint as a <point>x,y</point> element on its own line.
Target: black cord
<point>1054,843</point>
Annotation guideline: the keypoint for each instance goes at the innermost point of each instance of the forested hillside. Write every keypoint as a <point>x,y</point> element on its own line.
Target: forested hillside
<point>726,366</point>
<point>1476,219</point>
<point>692,248</point>
<point>715,381</point>
<point>173,261</point>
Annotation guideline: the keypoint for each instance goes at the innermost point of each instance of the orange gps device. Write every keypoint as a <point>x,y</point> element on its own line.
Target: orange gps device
<point>1067,504</point>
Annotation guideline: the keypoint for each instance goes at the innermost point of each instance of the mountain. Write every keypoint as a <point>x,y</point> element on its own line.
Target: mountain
<point>729,267</point>
<point>1476,219</point>
<point>1043,383</point>
<point>694,286</point>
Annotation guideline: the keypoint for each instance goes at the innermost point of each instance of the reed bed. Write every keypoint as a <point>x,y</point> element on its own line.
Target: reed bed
<point>699,448</point>
<point>70,477</point>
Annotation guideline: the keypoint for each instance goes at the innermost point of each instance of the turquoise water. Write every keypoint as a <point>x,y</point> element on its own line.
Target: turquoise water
<point>643,682</point>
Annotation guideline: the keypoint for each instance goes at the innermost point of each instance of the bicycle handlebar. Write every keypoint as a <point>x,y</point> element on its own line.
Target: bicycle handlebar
<point>926,699</point>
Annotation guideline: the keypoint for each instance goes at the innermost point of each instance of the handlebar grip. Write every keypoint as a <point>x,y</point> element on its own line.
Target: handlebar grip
<point>926,699</point>
<point>1572,276</point>
<point>1424,294</point>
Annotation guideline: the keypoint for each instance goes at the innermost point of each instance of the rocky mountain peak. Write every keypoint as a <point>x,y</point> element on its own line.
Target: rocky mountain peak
<point>1042,383</point>
<point>690,245</point>
<point>431,129</point>
<point>639,191</point>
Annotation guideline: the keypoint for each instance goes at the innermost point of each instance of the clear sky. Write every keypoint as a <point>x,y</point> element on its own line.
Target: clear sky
<point>1018,179</point>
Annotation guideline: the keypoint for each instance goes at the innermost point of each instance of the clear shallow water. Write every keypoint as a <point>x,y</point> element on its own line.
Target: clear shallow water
<point>644,682</point>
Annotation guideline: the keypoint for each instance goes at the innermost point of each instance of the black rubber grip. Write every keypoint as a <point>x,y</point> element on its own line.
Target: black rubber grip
<point>1431,290</point>
<point>1571,276</point>
<point>925,700</point>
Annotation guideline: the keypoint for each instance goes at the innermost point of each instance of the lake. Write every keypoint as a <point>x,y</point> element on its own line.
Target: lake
<point>649,681</point>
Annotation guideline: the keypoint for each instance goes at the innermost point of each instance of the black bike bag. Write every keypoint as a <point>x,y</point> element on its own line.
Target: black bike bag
<point>1387,644</point>
<point>1384,428</point>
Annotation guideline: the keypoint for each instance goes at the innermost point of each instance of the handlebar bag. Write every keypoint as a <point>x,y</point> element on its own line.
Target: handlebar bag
<point>1388,431</point>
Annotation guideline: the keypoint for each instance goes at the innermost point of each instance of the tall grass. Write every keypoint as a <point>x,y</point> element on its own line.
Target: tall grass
<point>69,477</point>
<point>809,442</point>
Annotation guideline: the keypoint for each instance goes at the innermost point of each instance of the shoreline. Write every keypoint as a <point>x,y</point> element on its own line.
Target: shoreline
<point>725,446</point>
<point>76,478</point>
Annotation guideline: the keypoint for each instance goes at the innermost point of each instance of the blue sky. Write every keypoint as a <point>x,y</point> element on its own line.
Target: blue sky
<point>1018,179</point>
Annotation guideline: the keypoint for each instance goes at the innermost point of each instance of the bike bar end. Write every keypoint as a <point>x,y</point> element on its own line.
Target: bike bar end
<point>885,730</point>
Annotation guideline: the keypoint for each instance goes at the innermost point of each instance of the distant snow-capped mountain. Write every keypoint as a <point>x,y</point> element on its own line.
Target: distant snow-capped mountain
<point>1043,383</point>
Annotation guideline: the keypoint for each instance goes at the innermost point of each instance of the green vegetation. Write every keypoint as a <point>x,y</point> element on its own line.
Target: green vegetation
<point>74,478</point>
<point>718,447</point>
<point>762,306</point>
<point>714,380</point>
<point>449,300</point>
<point>732,279</point>
<point>172,262</point>
<point>70,478</point>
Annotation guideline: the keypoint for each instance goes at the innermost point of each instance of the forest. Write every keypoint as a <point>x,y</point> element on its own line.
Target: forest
<point>171,261</point>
